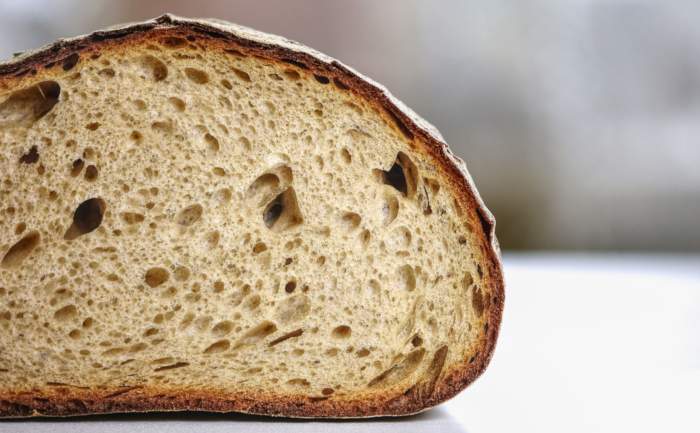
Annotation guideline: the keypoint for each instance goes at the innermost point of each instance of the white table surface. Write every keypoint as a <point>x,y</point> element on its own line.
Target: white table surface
<point>589,343</point>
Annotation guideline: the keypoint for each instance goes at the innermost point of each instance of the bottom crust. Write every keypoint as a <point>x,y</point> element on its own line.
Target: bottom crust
<point>59,401</point>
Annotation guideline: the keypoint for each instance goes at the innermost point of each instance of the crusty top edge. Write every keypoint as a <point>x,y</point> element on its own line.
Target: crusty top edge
<point>239,31</point>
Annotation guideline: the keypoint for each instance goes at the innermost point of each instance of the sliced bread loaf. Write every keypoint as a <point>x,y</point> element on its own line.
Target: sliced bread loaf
<point>198,216</point>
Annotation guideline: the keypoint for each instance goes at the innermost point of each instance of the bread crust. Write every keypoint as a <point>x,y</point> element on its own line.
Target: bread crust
<point>69,401</point>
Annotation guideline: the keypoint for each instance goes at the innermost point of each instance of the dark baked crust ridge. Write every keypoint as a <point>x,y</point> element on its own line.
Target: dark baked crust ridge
<point>76,401</point>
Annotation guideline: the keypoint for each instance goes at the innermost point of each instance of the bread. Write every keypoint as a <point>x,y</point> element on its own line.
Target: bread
<point>199,216</point>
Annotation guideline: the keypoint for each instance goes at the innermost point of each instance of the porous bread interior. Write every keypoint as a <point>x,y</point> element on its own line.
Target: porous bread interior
<point>190,218</point>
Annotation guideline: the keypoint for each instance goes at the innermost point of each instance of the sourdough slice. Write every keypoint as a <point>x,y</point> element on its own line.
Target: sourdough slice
<point>198,216</point>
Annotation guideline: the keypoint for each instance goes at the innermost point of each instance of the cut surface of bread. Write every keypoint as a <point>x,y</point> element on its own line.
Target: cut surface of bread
<point>198,216</point>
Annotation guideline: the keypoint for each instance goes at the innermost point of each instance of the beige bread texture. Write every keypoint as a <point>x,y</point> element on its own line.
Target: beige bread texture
<point>197,216</point>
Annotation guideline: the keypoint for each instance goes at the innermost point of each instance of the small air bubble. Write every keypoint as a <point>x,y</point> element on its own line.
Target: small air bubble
<point>156,276</point>
<point>197,76</point>
<point>91,173</point>
<point>342,331</point>
<point>177,103</point>
<point>242,75</point>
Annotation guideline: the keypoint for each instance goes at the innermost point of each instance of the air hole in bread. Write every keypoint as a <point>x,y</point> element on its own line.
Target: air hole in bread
<point>296,63</point>
<point>218,347</point>
<point>362,353</point>
<point>285,337</point>
<point>86,218</point>
<point>390,208</point>
<point>433,184</point>
<point>156,276</point>
<point>107,72</point>
<point>181,273</point>
<point>299,382</point>
<point>402,176</point>
<point>227,84</point>
<point>259,247</point>
<point>91,173</point>
<point>21,250</point>
<point>77,167</point>
<point>164,360</point>
<point>340,84</point>
<point>197,75</point>
<point>172,366</point>
<point>268,184</point>
<point>66,313</point>
<point>467,281</point>
<point>189,215</point>
<point>291,74</point>
<point>177,103</point>
<point>236,53</point>
<point>416,341</point>
<point>218,286</point>
<point>26,106</point>
<point>140,104</point>
<point>70,61</point>
<point>478,301</point>
<point>283,212</point>
<point>223,195</point>
<point>153,68</point>
<point>132,217</point>
<point>92,126</point>
<point>342,331</point>
<point>245,142</point>
<point>435,369</point>
<point>212,239</point>
<point>405,131</point>
<point>116,351</point>
<point>242,75</point>
<point>87,323</point>
<point>89,153</point>
<point>20,228</point>
<point>186,321</point>
<point>136,137</point>
<point>322,79</point>
<point>365,237</point>
<point>212,143</point>
<point>31,157</point>
<point>138,347</point>
<point>407,278</point>
<point>162,126</point>
<point>345,155</point>
<point>290,286</point>
<point>400,238</point>
<point>256,334</point>
<point>350,220</point>
<point>150,332</point>
<point>222,329</point>
<point>400,370</point>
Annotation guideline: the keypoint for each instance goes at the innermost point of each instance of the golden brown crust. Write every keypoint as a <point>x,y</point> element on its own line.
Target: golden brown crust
<point>67,401</point>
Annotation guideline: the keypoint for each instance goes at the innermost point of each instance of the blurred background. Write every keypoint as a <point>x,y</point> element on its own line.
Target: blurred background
<point>580,121</point>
